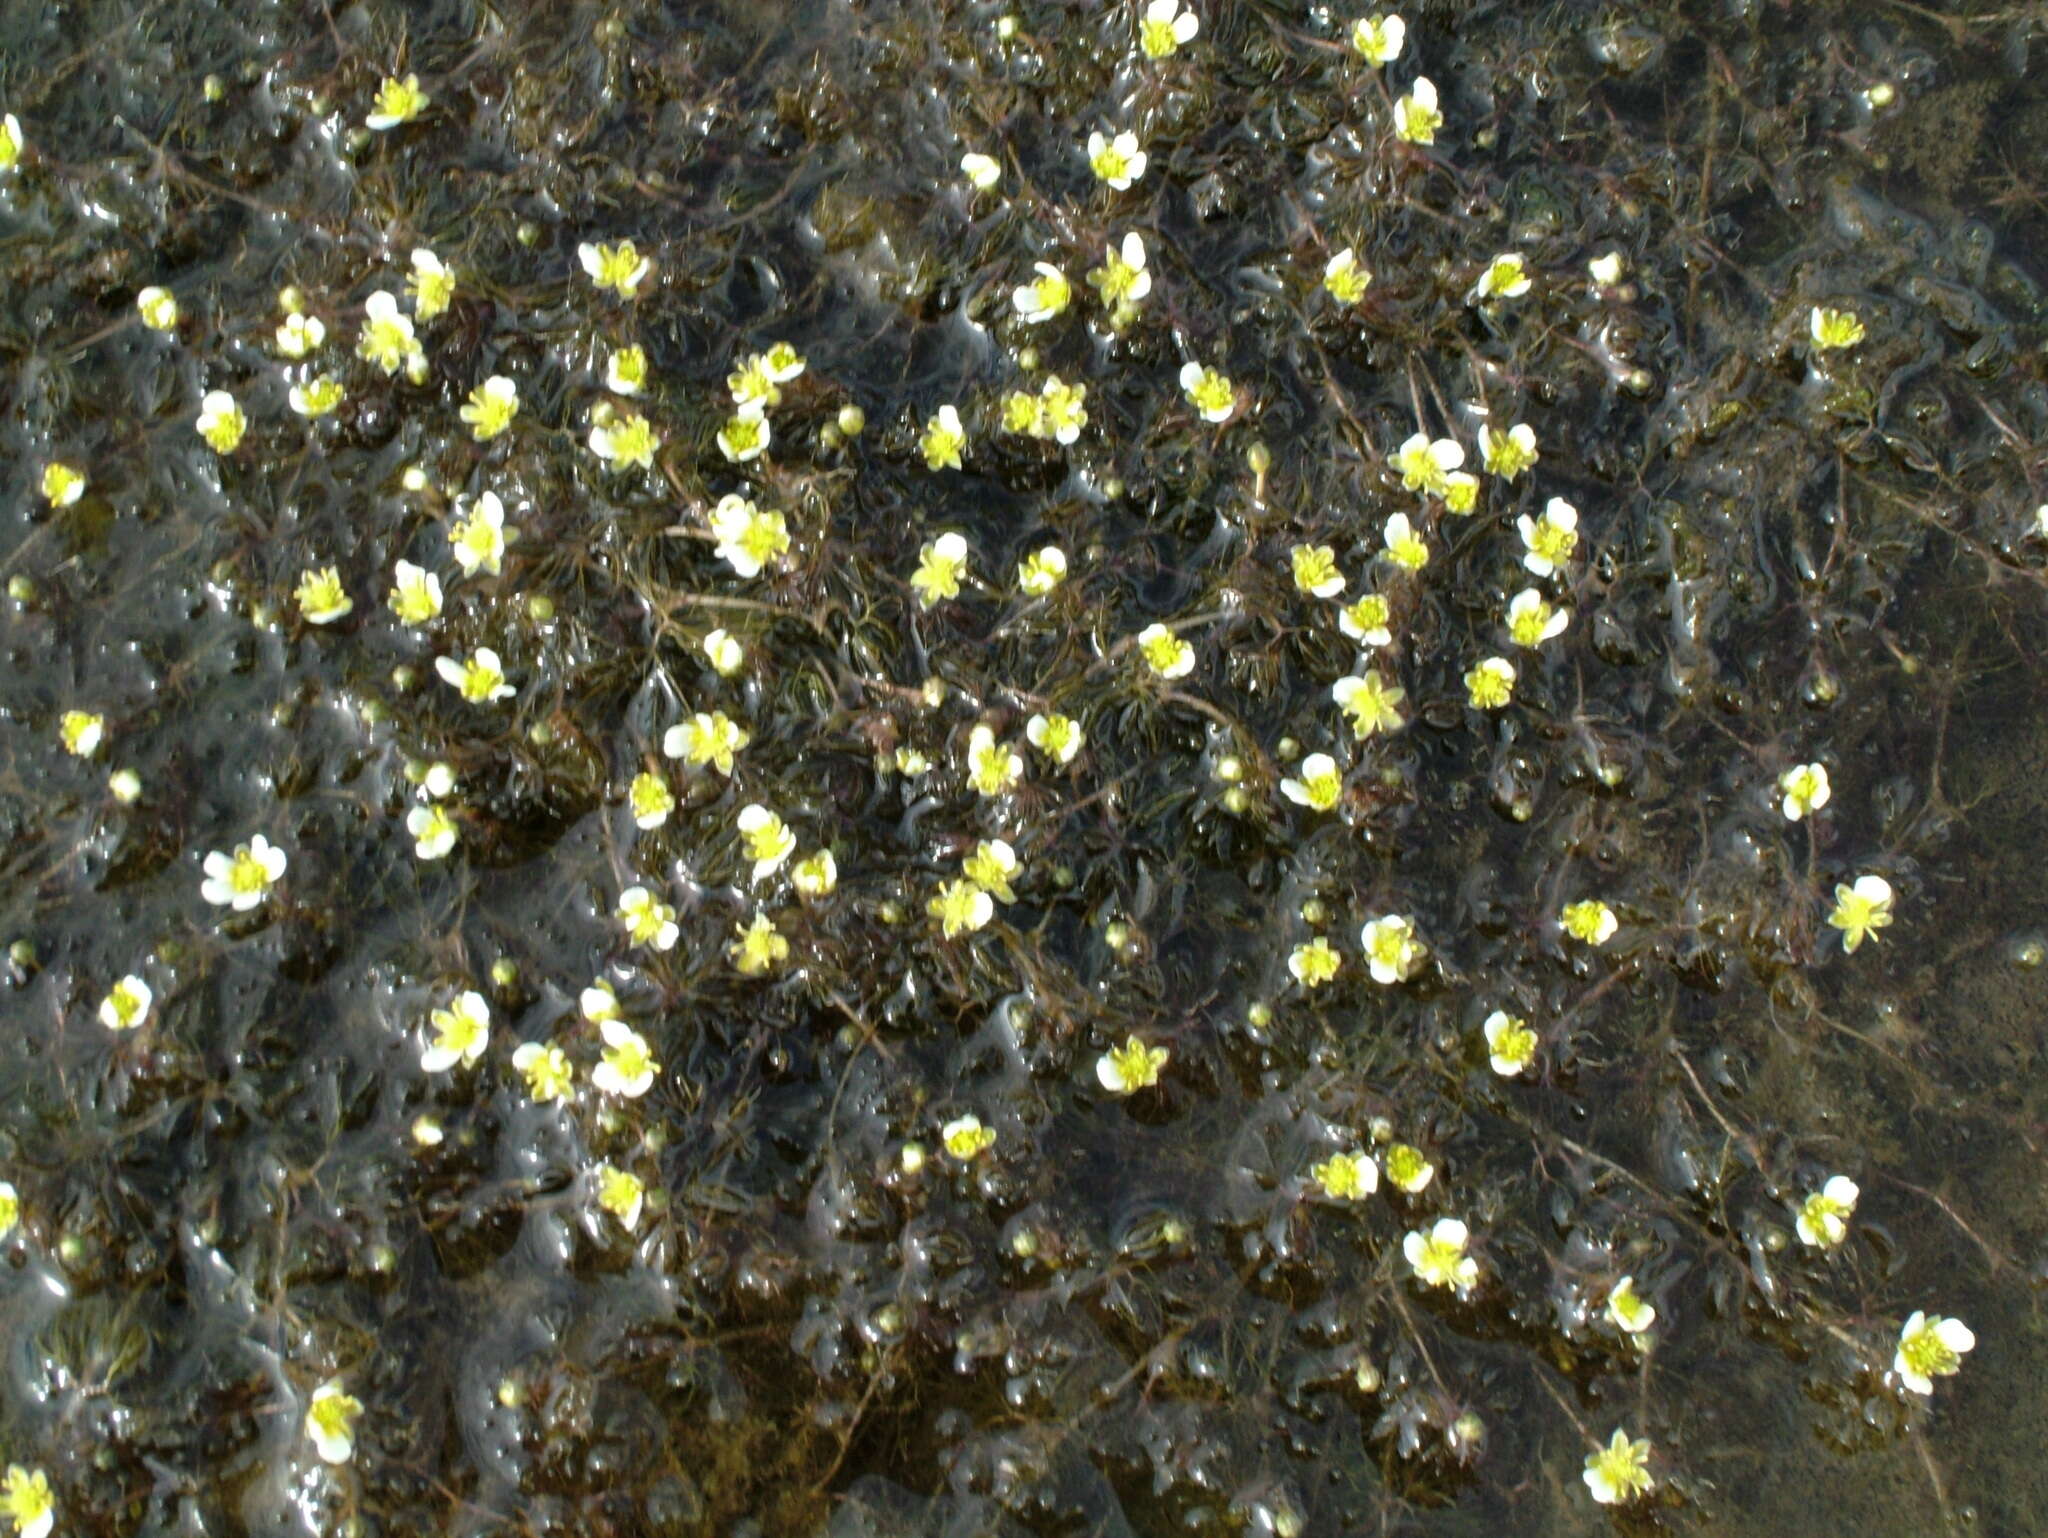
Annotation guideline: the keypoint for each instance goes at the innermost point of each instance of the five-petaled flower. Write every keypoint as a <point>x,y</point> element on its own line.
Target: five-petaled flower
<point>621,1193</point>
<point>431,284</point>
<point>1618,1472</point>
<point>11,142</point>
<point>625,440</point>
<point>1164,27</point>
<point>1165,653</point>
<point>769,840</point>
<point>25,1496</point>
<point>1510,1044</point>
<point>321,597</point>
<point>993,768</point>
<point>387,338</point>
<point>1833,328</point>
<point>1314,963</point>
<point>491,407</point>
<point>316,397</point>
<point>330,1421</point>
<point>1118,162</point>
<point>944,439</point>
<point>724,651</point>
<point>1320,786</point>
<point>747,539</point>
<point>1372,703</point>
<point>1532,619</point>
<point>299,335</point>
<point>650,800</point>
<point>243,879</point>
<point>1406,547</point>
<point>1345,277</point>
<point>1823,1219</point>
<point>462,1030</point>
<point>1930,1347</point>
<point>1408,1169</point>
<point>625,370</point>
<point>647,919</point>
<point>941,563</point>
<point>1349,1176</point>
<point>1860,908</point>
<point>1426,464</point>
<point>1505,278</point>
<point>990,866</point>
<point>1630,1313</point>
<point>546,1068</point>
<point>1367,620</point>
<point>1439,1257</point>
<point>961,907</point>
<point>1058,737</point>
<point>126,1005</point>
<point>760,947</point>
<point>1131,1067</point>
<point>708,737</point>
<point>1315,570</point>
<point>1042,571</point>
<point>221,422</point>
<point>480,680</point>
<point>433,830</point>
<point>966,1138</point>
<point>745,435</point>
<point>415,595</point>
<point>1378,39</point>
<point>478,539</point>
<point>1045,296</point>
<point>1589,919</point>
<point>619,268</point>
<point>1805,789</point>
<point>1416,118</point>
<point>1549,542</point>
<point>1122,279</point>
<point>1209,392</point>
<point>627,1068</point>
<point>1393,951</point>
<point>1490,683</point>
<point>398,101</point>
<point>1508,454</point>
<point>815,875</point>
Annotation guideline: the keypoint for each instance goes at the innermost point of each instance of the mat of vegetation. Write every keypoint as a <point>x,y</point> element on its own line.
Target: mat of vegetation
<point>864,767</point>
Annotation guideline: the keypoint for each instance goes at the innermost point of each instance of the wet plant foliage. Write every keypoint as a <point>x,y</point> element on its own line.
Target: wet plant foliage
<point>1140,1125</point>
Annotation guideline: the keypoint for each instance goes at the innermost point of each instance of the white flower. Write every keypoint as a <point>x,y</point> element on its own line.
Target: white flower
<point>1416,118</point>
<point>330,1422</point>
<point>1930,1347</point>
<point>1117,162</point>
<point>722,649</point>
<point>1510,1044</point>
<point>1165,27</point>
<point>1805,787</point>
<point>1548,542</point>
<point>477,540</point>
<point>300,335</point>
<point>1378,39</point>
<point>1391,948</point>
<point>628,1068</point>
<point>1045,297</point>
<point>769,840</point>
<point>433,831</point>
<point>982,171</point>
<point>1618,1472</point>
<point>242,880</point>
<point>126,1004</point>
<point>1823,1219</point>
<point>1438,1258</point>
<point>461,1033</point>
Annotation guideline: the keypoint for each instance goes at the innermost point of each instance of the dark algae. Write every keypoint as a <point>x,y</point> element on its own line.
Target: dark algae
<point>882,767</point>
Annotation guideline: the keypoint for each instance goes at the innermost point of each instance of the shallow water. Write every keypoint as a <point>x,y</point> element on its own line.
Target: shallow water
<point>1137,1313</point>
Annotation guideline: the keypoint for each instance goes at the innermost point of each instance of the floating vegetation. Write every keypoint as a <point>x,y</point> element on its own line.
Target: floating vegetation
<point>911,767</point>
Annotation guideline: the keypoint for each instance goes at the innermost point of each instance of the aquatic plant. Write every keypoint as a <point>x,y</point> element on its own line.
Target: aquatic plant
<point>842,1015</point>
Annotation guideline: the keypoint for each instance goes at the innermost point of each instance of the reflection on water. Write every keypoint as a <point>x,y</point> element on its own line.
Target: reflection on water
<point>825,837</point>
